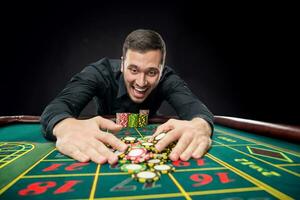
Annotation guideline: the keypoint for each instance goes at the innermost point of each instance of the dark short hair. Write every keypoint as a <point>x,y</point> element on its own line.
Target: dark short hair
<point>142,40</point>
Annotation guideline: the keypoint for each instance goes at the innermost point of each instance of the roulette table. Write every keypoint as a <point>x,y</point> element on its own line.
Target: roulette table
<point>248,160</point>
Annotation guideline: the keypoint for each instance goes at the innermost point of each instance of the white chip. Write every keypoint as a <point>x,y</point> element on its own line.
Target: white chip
<point>162,167</point>
<point>160,136</point>
<point>136,152</point>
<point>129,138</point>
<point>133,166</point>
<point>154,161</point>
<point>147,144</point>
<point>147,137</point>
<point>146,175</point>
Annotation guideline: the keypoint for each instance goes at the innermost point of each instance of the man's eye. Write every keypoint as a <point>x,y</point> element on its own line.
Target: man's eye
<point>152,73</point>
<point>134,71</point>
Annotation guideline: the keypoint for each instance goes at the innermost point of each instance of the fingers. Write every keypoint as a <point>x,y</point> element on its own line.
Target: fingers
<point>107,124</point>
<point>188,147</point>
<point>170,137</point>
<point>96,156</point>
<point>189,144</point>
<point>99,153</point>
<point>181,145</point>
<point>108,138</point>
<point>84,151</point>
<point>84,140</point>
<point>163,128</point>
<point>112,140</point>
<point>73,152</point>
<point>203,147</point>
<point>187,153</point>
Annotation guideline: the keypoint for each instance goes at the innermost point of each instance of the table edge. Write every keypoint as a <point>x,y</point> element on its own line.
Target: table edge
<point>287,132</point>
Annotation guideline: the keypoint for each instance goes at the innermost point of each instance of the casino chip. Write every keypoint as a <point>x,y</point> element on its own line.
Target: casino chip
<point>160,136</point>
<point>123,161</point>
<point>163,156</point>
<point>155,161</point>
<point>133,120</point>
<point>142,120</point>
<point>122,119</point>
<point>146,176</point>
<point>129,139</point>
<point>133,168</point>
<point>164,168</point>
<point>120,154</point>
<point>142,159</point>
<point>136,153</point>
<point>147,145</point>
<point>147,138</point>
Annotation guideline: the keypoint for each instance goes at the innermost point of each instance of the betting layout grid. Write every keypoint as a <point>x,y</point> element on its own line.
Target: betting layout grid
<point>10,151</point>
<point>64,178</point>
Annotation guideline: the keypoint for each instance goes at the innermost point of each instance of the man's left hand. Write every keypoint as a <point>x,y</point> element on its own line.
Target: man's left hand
<point>193,138</point>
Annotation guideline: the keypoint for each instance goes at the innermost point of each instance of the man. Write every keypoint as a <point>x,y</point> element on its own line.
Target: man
<point>140,80</point>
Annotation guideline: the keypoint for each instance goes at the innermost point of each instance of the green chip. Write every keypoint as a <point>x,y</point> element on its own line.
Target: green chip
<point>133,168</point>
<point>133,120</point>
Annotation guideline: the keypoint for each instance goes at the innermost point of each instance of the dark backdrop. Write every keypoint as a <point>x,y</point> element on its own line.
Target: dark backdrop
<point>240,60</point>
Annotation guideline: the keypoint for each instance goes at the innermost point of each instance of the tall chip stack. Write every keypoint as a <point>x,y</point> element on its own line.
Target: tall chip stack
<point>143,118</point>
<point>133,120</point>
<point>122,119</point>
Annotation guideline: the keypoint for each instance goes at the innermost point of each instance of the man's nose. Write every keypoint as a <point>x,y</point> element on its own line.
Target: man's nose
<point>141,80</point>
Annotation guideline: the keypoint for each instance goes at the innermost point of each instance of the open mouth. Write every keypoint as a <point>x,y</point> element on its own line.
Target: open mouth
<point>139,92</point>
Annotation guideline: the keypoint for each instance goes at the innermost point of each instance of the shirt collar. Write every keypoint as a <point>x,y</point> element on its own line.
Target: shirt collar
<point>122,88</point>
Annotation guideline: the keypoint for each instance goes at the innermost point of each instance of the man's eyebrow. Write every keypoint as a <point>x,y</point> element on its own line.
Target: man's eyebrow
<point>153,68</point>
<point>150,68</point>
<point>132,65</point>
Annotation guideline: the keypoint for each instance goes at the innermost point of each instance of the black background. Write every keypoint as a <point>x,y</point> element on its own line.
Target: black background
<point>239,59</point>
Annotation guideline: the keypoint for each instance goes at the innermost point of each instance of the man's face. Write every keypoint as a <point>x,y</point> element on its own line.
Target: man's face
<point>142,72</point>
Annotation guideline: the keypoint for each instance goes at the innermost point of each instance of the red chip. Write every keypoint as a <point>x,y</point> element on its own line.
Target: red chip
<point>142,159</point>
<point>122,119</point>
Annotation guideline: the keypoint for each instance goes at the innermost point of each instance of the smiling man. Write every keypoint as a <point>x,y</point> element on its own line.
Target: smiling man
<point>140,80</point>
<point>142,73</point>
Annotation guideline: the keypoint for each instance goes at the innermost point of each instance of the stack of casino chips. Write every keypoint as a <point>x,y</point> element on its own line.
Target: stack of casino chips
<point>133,120</point>
<point>122,119</point>
<point>143,161</point>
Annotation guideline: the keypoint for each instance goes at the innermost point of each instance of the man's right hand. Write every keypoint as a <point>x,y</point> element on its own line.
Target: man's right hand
<point>83,140</point>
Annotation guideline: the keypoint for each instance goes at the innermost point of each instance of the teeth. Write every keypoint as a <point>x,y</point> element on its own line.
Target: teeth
<point>140,90</point>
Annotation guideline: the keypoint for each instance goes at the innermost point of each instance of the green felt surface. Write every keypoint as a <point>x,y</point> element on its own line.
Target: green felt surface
<point>239,165</point>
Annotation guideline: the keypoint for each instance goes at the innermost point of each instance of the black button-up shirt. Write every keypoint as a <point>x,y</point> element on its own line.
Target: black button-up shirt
<point>104,81</point>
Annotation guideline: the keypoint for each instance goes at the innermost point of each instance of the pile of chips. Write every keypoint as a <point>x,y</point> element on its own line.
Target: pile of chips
<point>143,161</point>
<point>133,120</point>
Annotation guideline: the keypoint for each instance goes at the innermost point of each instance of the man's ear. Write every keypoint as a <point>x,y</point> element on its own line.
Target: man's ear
<point>122,64</point>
